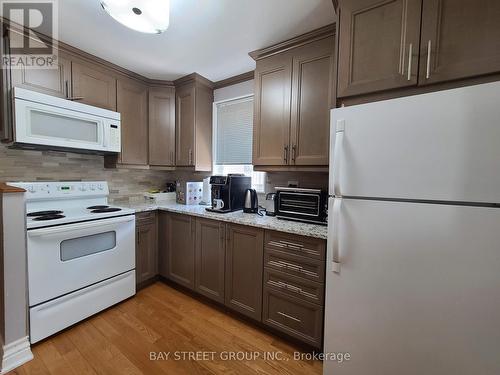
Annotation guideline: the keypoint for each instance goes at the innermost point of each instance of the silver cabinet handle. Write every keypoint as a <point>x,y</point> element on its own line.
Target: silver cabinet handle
<point>294,153</point>
<point>410,58</point>
<point>190,157</point>
<point>429,49</point>
<point>291,244</point>
<point>285,157</point>
<point>73,98</point>
<point>289,317</point>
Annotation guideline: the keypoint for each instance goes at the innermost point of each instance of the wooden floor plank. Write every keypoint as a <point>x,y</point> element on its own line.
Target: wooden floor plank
<point>162,319</point>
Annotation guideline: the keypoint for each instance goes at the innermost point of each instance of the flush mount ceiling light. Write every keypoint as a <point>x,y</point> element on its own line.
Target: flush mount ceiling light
<point>146,16</point>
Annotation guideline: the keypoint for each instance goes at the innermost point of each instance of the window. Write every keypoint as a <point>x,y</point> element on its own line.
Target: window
<point>233,132</point>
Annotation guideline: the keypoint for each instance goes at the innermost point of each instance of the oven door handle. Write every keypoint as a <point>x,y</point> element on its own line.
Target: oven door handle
<point>54,231</point>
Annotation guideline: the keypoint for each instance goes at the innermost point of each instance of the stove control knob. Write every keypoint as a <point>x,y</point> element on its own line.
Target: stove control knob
<point>83,188</point>
<point>100,187</point>
<point>92,187</point>
<point>31,189</point>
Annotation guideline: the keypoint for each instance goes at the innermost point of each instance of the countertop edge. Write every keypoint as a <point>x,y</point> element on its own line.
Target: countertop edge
<point>292,229</point>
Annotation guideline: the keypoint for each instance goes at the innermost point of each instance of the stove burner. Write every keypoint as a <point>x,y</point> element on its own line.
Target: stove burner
<point>44,213</point>
<point>104,210</point>
<point>49,217</point>
<point>97,207</point>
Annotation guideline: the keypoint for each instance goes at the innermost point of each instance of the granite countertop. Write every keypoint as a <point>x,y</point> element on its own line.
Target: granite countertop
<point>266,222</point>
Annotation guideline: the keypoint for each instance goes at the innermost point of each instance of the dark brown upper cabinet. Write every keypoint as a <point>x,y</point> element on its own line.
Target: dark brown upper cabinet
<point>273,90</point>
<point>460,38</point>
<point>293,82</point>
<point>93,85</point>
<point>210,258</point>
<point>185,125</point>
<point>395,44</point>
<point>162,126</point>
<point>244,269</point>
<point>132,103</point>
<point>310,120</point>
<point>378,46</point>
<point>193,122</point>
<point>54,82</point>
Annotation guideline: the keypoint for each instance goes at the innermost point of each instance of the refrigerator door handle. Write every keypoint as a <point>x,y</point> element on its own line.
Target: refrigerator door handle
<point>333,234</point>
<point>337,154</point>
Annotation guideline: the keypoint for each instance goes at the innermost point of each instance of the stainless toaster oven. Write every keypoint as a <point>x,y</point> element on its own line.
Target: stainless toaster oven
<point>308,205</point>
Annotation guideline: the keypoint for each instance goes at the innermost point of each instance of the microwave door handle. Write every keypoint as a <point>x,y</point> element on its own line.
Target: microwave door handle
<point>105,127</point>
<point>56,231</point>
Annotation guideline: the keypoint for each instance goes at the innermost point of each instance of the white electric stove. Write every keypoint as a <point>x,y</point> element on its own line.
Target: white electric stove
<point>81,253</point>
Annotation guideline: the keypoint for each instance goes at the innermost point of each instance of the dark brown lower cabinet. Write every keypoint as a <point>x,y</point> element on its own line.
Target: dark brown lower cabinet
<point>146,251</point>
<point>244,266</point>
<point>273,277</point>
<point>180,235</point>
<point>294,286</point>
<point>210,258</point>
<point>294,316</point>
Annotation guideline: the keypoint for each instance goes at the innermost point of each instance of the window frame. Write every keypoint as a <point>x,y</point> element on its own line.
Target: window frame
<point>215,126</point>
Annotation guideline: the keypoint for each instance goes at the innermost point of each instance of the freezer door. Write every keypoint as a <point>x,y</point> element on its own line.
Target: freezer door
<point>440,146</point>
<point>417,291</point>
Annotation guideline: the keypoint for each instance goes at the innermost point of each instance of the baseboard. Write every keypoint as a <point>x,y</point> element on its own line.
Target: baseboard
<point>15,354</point>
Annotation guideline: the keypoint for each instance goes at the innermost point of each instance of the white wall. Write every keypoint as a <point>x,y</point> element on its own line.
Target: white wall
<point>234,91</point>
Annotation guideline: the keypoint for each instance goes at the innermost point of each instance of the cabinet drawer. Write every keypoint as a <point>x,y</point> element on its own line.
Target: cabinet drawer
<point>300,319</point>
<point>295,286</point>
<point>145,218</point>
<point>311,269</point>
<point>306,246</point>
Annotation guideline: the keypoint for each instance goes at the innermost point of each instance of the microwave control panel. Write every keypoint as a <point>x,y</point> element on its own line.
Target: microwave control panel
<point>114,138</point>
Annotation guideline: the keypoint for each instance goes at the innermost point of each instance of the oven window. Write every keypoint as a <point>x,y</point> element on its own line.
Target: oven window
<point>83,246</point>
<point>50,125</point>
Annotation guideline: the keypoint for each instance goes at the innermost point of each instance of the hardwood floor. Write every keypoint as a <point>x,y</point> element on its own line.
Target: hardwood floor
<point>162,319</point>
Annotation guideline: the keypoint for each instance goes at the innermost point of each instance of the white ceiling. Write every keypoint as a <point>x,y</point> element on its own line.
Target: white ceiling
<point>210,37</point>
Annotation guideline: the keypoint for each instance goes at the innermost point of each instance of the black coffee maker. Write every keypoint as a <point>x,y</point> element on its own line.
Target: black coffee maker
<point>228,192</point>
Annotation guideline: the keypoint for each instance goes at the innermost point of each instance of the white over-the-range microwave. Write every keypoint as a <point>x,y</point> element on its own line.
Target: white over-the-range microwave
<point>47,121</point>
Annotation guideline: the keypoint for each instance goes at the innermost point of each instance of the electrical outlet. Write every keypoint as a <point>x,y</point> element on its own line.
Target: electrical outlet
<point>293,183</point>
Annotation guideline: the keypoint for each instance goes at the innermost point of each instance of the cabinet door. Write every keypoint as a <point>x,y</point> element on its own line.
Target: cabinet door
<point>203,134</point>
<point>271,135</point>
<point>210,258</point>
<point>460,38</point>
<point>163,218</point>
<point>244,268</point>
<point>133,107</point>
<point>94,86</point>
<point>162,127</point>
<point>378,45</point>
<point>181,233</point>
<point>54,82</point>
<point>146,258</point>
<point>310,130</point>
<point>185,125</point>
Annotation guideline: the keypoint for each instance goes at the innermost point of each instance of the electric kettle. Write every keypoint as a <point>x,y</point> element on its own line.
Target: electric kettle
<point>251,203</point>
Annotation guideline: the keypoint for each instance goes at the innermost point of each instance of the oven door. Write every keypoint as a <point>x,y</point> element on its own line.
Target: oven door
<point>65,258</point>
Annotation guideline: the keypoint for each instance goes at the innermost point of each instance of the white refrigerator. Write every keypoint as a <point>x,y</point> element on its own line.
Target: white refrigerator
<point>413,273</point>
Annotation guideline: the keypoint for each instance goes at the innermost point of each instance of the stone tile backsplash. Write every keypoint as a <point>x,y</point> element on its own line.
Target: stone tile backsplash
<point>126,185</point>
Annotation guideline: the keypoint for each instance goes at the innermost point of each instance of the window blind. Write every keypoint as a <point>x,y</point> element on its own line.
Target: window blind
<point>234,132</point>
